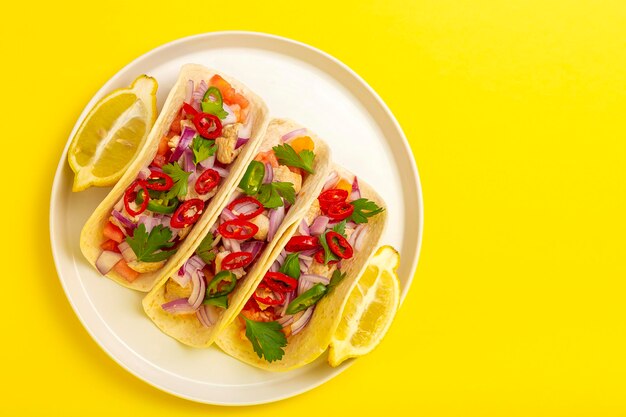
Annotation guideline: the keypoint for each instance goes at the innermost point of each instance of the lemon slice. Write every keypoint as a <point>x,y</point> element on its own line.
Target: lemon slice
<point>370,308</point>
<point>112,134</point>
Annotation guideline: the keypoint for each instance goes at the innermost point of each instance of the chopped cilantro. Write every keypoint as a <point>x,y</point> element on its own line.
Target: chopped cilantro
<point>146,245</point>
<point>340,228</point>
<point>267,339</point>
<point>286,155</point>
<point>270,194</point>
<point>328,254</point>
<point>202,148</point>
<point>180,176</point>
<point>204,249</point>
<point>364,208</point>
<point>291,266</point>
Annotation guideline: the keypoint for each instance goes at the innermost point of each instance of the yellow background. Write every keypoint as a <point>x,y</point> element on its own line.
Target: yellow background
<point>515,114</point>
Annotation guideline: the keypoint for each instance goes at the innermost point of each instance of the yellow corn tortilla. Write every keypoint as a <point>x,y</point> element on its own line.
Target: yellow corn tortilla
<point>91,236</point>
<point>311,342</point>
<point>187,328</point>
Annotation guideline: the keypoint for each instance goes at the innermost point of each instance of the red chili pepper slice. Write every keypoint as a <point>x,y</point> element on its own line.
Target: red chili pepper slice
<point>300,243</point>
<point>204,122</point>
<point>159,186</point>
<point>207,181</point>
<point>130,195</point>
<point>189,110</point>
<point>238,229</point>
<point>319,258</point>
<point>236,260</point>
<point>181,218</point>
<point>243,200</point>
<point>340,211</point>
<point>280,282</point>
<point>339,245</point>
<point>332,196</point>
<point>268,300</point>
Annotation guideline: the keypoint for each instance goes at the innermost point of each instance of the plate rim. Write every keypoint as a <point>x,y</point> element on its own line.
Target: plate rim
<point>106,86</point>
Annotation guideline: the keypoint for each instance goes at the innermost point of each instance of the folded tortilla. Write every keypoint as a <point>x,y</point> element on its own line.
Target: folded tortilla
<point>186,328</point>
<point>315,338</point>
<point>91,236</point>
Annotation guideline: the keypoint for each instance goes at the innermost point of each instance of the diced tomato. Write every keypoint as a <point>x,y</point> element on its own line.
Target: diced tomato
<point>296,171</point>
<point>344,185</point>
<point>163,146</point>
<point>302,143</point>
<point>268,156</point>
<point>124,270</point>
<point>175,126</point>
<point>113,232</point>
<point>110,245</point>
<point>159,161</point>
<point>229,95</point>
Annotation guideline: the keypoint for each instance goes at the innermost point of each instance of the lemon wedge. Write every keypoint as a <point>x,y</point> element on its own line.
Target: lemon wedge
<point>370,308</point>
<point>112,133</point>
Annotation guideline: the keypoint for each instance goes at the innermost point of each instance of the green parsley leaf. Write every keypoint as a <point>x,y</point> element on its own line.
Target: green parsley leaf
<point>340,228</point>
<point>364,208</point>
<point>202,148</point>
<point>328,254</point>
<point>217,301</point>
<point>335,280</point>
<point>291,266</point>
<point>267,339</point>
<point>205,249</point>
<point>146,245</point>
<point>270,194</point>
<point>286,155</point>
<point>180,176</point>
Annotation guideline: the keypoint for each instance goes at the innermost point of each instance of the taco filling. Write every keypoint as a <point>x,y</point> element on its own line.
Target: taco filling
<point>310,266</point>
<point>206,282</point>
<point>160,207</point>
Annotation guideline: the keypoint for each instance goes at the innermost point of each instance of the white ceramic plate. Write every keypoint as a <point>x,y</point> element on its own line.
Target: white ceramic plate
<point>296,81</point>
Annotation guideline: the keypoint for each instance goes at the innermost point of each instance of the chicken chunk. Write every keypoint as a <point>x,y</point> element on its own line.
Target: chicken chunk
<point>263,224</point>
<point>313,212</point>
<point>218,260</point>
<point>173,142</point>
<point>283,174</point>
<point>173,291</point>
<point>321,269</point>
<point>226,152</point>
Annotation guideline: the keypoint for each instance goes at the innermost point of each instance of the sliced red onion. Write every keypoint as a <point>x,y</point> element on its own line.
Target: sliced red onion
<point>191,180</point>
<point>293,134</point>
<point>360,240</point>
<point>127,252</point>
<point>107,260</point>
<point>285,321</point>
<point>299,324</point>
<point>232,245</point>
<point>203,318</point>
<point>332,180</point>
<point>309,252</point>
<point>149,222</point>
<point>189,91</point>
<point>269,173</point>
<point>240,142</point>
<point>308,280</point>
<point>178,306</point>
<point>303,228</point>
<point>197,290</point>
<point>188,164</point>
<point>208,163</point>
<point>254,247</point>
<point>305,263</point>
<point>185,140</point>
<point>227,215</point>
<point>226,244</point>
<point>181,277</point>
<point>245,131</point>
<point>319,225</point>
<point>126,222</point>
<point>277,216</point>
<point>198,94</point>
<point>303,285</point>
<point>355,234</point>
<point>144,173</point>
<point>230,118</point>
<point>222,171</point>
<point>288,299</point>
<point>356,192</point>
<point>196,262</point>
<point>275,267</point>
<point>119,205</point>
<point>245,207</point>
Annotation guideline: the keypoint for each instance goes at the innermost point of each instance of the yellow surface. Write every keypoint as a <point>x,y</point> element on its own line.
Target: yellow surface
<point>515,112</point>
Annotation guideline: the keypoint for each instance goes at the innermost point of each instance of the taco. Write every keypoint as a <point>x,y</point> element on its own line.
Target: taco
<point>201,293</point>
<point>292,314</point>
<point>208,131</point>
